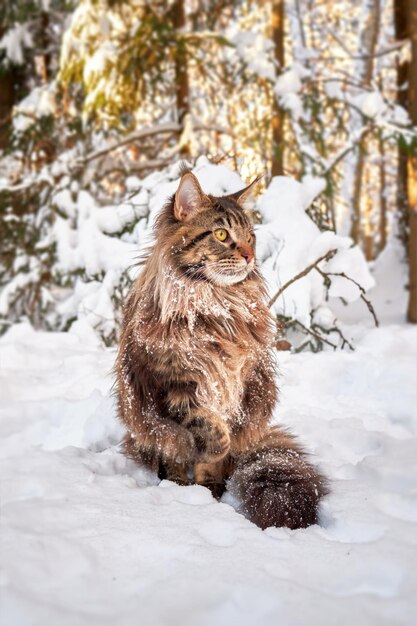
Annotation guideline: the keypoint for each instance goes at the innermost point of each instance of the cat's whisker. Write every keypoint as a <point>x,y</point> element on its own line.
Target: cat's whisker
<point>226,267</point>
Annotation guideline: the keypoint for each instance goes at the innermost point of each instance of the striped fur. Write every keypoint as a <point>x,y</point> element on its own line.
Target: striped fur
<point>276,484</point>
<point>195,371</point>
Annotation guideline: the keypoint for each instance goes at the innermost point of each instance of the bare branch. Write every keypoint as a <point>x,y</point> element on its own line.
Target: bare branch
<point>307,270</point>
<point>389,50</point>
<point>326,276</point>
<point>345,341</point>
<point>16,188</point>
<point>364,130</point>
<point>142,134</point>
<point>316,335</point>
<point>151,164</point>
<point>136,136</point>
<point>361,289</point>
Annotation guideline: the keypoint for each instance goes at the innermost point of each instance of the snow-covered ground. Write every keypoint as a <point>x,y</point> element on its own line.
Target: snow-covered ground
<point>88,538</point>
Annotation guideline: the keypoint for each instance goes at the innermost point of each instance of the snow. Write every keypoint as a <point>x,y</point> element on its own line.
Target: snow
<point>312,187</point>
<point>292,102</point>
<point>88,538</point>
<point>371,104</point>
<point>287,87</point>
<point>96,247</point>
<point>40,101</point>
<point>87,245</point>
<point>97,63</point>
<point>288,241</point>
<point>254,51</point>
<point>14,41</point>
<point>288,82</point>
<point>389,295</point>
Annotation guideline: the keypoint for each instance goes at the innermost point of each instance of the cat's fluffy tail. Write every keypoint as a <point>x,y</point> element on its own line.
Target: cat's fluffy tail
<point>276,484</point>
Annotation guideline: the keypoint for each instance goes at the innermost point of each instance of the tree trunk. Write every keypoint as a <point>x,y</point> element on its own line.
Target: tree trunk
<point>405,17</point>
<point>367,45</point>
<point>401,33</point>
<point>412,165</point>
<point>368,234</point>
<point>181,76</point>
<point>6,105</point>
<point>383,209</point>
<point>277,165</point>
<point>45,57</point>
<point>7,100</point>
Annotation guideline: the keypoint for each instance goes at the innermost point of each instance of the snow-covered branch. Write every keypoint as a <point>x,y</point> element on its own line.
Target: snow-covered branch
<point>304,272</point>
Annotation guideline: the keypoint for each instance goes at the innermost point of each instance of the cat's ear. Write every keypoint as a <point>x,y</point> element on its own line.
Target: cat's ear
<point>243,194</point>
<point>188,198</point>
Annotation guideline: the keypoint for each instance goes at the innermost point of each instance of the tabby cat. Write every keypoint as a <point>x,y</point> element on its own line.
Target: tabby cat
<point>195,371</point>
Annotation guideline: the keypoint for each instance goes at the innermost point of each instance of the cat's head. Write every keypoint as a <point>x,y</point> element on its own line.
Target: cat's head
<point>211,238</point>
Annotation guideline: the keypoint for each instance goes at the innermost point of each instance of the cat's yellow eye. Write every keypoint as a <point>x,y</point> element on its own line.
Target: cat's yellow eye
<point>221,234</point>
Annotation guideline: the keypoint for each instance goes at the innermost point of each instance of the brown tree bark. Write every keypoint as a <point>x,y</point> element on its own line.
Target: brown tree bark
<point>383,208</point>
<point>277,164</point>
<point>7,97</point>
<point>45,57</point>
<point>181,74</point>
<point>368,42</point>
<point>412,165</point>
<point>405,17</point>
<point>7,100</point>
<point>401,33</point>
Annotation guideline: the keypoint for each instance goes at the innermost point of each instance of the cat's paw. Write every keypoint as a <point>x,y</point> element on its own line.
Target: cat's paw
<point>184,451</point>
<point>217,489</point>
<point>212,440</point>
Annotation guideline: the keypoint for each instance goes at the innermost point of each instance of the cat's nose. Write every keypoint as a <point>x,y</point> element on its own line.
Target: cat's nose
<point>247,254</point>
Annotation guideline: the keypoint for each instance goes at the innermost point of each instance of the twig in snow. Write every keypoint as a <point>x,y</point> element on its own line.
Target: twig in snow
<point>361,289</point>
<point>345,341</point>
<point>316,335</point>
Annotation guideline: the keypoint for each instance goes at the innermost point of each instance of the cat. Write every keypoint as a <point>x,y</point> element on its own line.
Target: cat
<point>195,371</point>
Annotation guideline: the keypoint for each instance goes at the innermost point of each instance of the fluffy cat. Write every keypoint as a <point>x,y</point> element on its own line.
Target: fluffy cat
<point>195,370</point>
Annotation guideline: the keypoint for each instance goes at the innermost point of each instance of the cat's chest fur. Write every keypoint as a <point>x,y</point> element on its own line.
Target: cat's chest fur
<point>214,343</point>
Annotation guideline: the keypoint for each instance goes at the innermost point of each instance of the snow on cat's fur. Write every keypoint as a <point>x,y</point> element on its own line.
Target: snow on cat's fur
<point>195,372</point>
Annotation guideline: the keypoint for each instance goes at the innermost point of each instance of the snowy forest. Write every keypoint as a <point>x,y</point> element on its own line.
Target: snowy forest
<point>101,104</point>
<point>100,101</point>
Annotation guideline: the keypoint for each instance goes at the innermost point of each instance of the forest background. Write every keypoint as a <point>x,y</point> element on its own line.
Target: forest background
<point>100,100</point>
